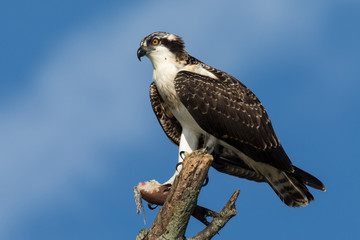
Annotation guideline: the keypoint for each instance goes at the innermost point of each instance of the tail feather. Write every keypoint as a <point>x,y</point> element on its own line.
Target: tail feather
<point>290,186</point>
<point>292,192</point>
<point>308,179</point>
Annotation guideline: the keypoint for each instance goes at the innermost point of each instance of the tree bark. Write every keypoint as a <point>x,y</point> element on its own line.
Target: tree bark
<point>172,219</point>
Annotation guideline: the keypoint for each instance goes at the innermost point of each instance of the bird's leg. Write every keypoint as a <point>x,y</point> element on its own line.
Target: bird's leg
<point>208,147</point>
<point>182,155</point>
<point>188,143</point>
<point>209,143</point>
<point>172,179</point>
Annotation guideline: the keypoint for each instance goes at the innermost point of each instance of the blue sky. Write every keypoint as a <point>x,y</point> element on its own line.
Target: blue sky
<point>78,132</point>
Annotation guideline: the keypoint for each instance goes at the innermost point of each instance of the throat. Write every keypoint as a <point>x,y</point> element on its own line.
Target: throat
<point>164,76</point>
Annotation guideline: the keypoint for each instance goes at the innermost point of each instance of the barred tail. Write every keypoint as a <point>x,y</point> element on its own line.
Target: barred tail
<point>292,192</point>
<point>291,188</point>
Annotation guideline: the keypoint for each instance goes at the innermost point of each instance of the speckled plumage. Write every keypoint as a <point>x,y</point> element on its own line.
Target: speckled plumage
<point>167,121</point>
<point>192,99</point>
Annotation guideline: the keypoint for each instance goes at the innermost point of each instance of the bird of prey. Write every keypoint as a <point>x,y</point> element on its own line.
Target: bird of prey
<point>199,106</point>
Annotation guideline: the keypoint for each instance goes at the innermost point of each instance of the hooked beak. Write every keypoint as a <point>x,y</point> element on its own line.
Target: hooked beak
<point>140,53</point>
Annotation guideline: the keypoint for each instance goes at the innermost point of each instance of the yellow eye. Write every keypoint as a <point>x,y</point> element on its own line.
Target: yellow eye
<point>155,41</point>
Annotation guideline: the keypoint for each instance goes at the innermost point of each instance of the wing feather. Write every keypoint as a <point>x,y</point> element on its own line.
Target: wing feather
<point>172,128</point>
<point>227,109</point>
<point>168,122</point>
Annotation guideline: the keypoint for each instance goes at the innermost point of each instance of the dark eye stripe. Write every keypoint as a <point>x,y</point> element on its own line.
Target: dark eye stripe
<point>175,46</point>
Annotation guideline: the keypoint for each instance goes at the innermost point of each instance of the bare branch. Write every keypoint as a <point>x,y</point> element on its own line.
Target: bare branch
<point>219,222</point>
<point>181,202</point>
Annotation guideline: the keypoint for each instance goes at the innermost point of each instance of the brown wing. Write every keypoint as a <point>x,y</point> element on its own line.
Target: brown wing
<point>168,122</point>
<point>231,164</point>
<point>225,108</point>
<point>172,128</point>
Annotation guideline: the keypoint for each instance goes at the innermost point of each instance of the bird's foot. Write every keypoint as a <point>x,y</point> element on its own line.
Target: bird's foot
<point>183,155</point>
<point>177,165</point>
<point>207,149</point>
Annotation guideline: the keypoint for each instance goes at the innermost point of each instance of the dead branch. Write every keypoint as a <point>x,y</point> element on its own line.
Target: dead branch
<point>181,202</point>
<point>219,222</point>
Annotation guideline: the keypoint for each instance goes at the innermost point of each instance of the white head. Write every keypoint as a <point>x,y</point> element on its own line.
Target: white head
<point>162,46</point>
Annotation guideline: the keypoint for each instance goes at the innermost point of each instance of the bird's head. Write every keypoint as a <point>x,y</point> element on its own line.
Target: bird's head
<point>162,46</point>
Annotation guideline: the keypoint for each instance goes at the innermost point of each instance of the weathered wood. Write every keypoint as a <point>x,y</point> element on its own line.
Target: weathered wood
<point>173,217</point>
<point>219,222</point>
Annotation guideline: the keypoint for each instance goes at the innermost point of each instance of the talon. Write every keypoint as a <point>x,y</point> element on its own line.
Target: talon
<point>150,206</point>
<point>205,150</point>
<point>177,165</point>
<point>206,181</point>
<point>183,154</point>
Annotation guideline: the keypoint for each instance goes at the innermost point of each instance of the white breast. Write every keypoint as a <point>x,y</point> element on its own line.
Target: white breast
<point>164,75</point>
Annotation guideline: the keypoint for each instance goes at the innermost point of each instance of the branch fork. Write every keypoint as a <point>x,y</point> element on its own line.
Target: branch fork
<point>180,202</point>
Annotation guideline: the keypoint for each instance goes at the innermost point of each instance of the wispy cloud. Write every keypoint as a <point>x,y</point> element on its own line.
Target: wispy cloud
<point>82,95</point>
<point>91,89</point>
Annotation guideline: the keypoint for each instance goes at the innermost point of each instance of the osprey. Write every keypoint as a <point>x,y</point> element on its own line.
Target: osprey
<point>199,106</point>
